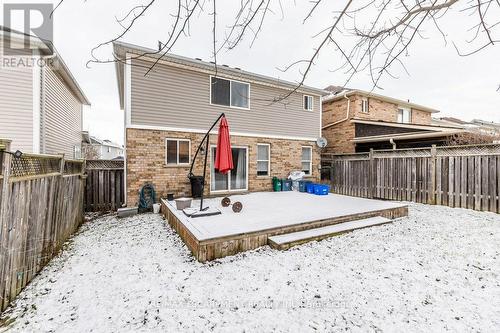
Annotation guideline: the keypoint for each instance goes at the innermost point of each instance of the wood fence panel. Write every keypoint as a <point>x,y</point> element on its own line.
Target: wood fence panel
<point>40,207</point>
<point>466,176</point>
<point>485,180</point>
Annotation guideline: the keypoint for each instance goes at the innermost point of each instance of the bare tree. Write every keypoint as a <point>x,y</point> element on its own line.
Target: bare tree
<point>369,36</point>
<point>90,151</point>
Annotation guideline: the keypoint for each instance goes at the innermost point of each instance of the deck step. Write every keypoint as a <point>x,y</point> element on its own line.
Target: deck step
<point>285,241</point>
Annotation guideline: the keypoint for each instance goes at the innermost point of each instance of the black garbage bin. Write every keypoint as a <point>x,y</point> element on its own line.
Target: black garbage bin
<point>196,186</point>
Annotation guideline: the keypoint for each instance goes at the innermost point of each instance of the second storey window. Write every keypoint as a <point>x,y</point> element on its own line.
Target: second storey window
<point>364,105</point>
<point>404,115</point>
<point>229,93</point>
<point>308,103</point>
<point>307,160</point>
<point>263,159</point>
<point>177,151</point>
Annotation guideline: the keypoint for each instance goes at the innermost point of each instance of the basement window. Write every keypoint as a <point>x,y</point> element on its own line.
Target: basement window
<point>177,151</point>
<point>230,93</point>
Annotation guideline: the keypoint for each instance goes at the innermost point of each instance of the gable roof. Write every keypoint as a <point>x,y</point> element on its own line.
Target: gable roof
<point>121,49</point>
<point>57,64</point>
<point>338,92</point>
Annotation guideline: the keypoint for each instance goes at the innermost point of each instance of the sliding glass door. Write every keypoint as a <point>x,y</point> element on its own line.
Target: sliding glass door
<point>234,180</point>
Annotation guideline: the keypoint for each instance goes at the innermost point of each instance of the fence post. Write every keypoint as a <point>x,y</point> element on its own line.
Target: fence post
<point>433,175</point>
<point>61,166</point>
<point>4,231</point>
<point>331,170</point>
<point>372,175</point>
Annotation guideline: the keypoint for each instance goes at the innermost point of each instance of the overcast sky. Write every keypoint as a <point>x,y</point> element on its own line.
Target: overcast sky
<point>464,87</point>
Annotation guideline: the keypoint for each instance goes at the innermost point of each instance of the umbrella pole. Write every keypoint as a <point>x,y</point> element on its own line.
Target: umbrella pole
<point>206,137</point>
<point>204,172</point>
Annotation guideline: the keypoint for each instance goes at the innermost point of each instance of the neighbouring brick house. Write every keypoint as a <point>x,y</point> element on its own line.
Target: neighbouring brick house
<point>357,121</point>
<point>168,111</point>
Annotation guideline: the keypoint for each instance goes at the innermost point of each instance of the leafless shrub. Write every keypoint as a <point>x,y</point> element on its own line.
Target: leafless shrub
<point>471,138</point>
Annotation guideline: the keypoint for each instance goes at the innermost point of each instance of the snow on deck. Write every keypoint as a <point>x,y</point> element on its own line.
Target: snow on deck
<point>436,270</point>
<point>267,210</point>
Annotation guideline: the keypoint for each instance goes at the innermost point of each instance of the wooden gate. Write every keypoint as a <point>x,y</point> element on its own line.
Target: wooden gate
<point>105,188</point>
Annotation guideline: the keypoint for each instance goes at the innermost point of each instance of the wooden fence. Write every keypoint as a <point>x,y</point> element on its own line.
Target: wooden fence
<point>41,205</point>
<point>461,176</point>
<point>104,189</point>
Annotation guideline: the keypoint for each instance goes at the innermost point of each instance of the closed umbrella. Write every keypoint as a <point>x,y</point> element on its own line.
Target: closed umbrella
<point>224,155</point>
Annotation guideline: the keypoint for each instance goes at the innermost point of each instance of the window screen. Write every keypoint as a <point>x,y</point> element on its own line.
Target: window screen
<point>220,91</point>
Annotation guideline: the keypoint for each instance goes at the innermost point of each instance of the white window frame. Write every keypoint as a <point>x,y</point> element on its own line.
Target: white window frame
<point>77,152</point>
<point>310,161</point>
<point>311,104</point>
<point>364,105</point>
<point>230,93</point>
<point>401,111</point>
<point>268,159</point>
<point>229,172</point>
<point>166,152</point>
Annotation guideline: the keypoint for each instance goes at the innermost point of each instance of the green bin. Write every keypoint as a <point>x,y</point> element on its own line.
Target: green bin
<point>276,184</point>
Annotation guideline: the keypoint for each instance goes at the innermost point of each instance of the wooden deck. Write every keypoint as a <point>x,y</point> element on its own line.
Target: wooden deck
<point>262,217</point>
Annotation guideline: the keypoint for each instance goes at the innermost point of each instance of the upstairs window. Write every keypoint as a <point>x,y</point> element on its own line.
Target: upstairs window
<point>308,103</point>
<point>404,115</point>
<point>229,93</point>
<point>177,151</point>
<point>364,105</point>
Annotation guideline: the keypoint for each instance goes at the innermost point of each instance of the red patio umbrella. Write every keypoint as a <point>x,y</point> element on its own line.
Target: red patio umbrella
<point>224,155</point>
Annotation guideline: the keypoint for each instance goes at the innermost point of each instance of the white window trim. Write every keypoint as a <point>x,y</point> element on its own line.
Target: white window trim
<point>312,102</point>
<point>228,174</point>
<point>402,108</point>
<point>268,159</point>
<point>310,161</point>
<point>189,153</point>
<point>363,101</point>
<point>230,80</point>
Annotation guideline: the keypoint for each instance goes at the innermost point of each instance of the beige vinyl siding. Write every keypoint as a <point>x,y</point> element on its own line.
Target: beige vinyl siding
<point>62,117</point>
<point>16,106</point>
<point>180,98</point>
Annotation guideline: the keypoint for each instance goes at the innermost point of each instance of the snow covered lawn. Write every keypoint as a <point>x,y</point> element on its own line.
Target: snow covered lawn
<point>438,269</point>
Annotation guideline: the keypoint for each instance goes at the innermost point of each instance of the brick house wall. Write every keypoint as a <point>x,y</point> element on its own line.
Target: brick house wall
<point>339,136</point>
<point>385,111</point>
<point>145,162</point>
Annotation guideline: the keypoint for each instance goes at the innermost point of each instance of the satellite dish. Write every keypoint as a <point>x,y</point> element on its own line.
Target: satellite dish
<point>321,142</point>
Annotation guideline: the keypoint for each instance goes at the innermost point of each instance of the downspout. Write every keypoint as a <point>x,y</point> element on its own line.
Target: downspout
<point>346,116</point>
<point>393,143</point>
